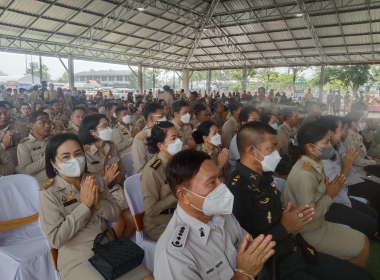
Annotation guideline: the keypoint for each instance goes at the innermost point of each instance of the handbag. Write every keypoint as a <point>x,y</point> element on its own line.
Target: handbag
<point>116,257</point>
<point>118,192</point>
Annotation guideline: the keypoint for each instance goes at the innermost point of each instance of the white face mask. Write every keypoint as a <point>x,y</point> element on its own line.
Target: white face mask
<point>106,134</point>
<point>185,118</point>
<point>270,161</point>
<point>218,202</point>
<point>366,113</point>
<point>72,167</point>
<point>163,119</point>
<point>216,140</point>
<point>175,147</point>
<point>127,119</point>
<point>361,126</point>
<point>114,115</point>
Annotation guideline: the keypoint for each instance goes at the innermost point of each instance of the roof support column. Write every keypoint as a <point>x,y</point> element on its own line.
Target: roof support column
<point>321,82</point>
<point>154,81</point>
<point>41,78</point>
<point>185,80</point>
<point>174,80</point>
<point>140,78</point>
<point>71,71</point>
<point>209,82</point>
<point>244,82</point>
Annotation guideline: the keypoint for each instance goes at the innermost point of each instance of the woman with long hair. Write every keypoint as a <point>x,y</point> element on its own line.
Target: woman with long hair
<point>307,184</point>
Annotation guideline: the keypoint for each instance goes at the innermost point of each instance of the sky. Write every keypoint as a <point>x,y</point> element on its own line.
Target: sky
<point>14,64</point>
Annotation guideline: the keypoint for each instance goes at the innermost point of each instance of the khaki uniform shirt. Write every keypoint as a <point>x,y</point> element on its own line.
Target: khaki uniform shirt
<point>112,123</point>
<point>24,124</point>
<point>214,153</point>
<point>183,96</point>
<point>140,124</point>
<point>70,225</point>
<point>288,132</point>
<point>184,133</point>
<point>7,167</point>
<point>218,120</point>
<point>96,160</point>
<point>167,97</point>
<point>33,95</point>
<point>67,112</point>
<point>308,119</point>
<point>194,123</point>
<point>135,117</point>
<point>192,105</point>
<point>24,97</point>
<point>9,98</point>
<point>148,97</point>
<point>157,197</point>
<point>57,123</point>
<point>355,139</point>
<point>122,138</point>
<point>53,94</point>
<point>140,154</point>
<point>31,158</point>
<point>73,129</point>
<point>15,114</point>
<point>18,134</point>
<point>191,250</point>
<point>68,100</point>
<point>229,130</point>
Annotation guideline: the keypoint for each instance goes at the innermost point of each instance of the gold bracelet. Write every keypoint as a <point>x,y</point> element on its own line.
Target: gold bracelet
<point>244,273</point>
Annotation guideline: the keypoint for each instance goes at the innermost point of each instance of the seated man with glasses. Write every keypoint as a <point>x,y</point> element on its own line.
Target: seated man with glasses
<point>31,150</point>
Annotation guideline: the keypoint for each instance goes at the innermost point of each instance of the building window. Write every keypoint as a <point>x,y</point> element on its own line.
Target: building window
<point>111,78</point>
<point>82,79</point>
<point>103,78</point>
<point>119,78</point>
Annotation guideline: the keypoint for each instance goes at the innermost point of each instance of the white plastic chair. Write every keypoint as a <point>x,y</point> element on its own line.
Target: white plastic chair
<point>280,185</point>
<point>133,193</point>
<point>128,163</point>
<point>24,253</point>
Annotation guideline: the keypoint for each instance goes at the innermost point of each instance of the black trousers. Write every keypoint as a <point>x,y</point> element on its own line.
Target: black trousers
<point>360,217</point>
<point>329,268</point>
<point>370,191</point>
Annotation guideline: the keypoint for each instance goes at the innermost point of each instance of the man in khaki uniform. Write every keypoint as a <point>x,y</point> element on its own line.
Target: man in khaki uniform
<point>201,115</point>
<point>141,123</point>
<point>59,120</point>
<point>7,167</point>
<point>31,150</point>
<point>262,98</point>
<point>180,109</point>
<point>110,110</point>
<point>182,95</point>
<point>16,111</point>
<point>288,128</point>
<point>231,127</point>
<point>33,95</point>
<point>23,121</point>
<point>192,101</point>
<point>166,96</point>
<point>53,94</point>
<point>65,110</point>
<point>159,202</point>
<point>11,134</point>
<point>217,118</point>
<point>124,132</point>
<point>8,96</point>
<point>140,155</point>
<point>313,112</point>
<point>139,112</point>
<point>76,118</point>
<point>23,95</point>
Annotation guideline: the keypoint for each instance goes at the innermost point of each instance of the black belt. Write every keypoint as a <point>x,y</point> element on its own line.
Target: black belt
<point>168,211</point>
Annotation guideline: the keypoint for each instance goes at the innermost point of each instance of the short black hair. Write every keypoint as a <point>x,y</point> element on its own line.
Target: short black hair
<point>151,109</point>
<point>198,110</point>
<point>244,114</point>
<point>5,102</point>
<point>234,106</point>
<point>357,106</point>
<point>51,150</point>
<point>159,133</point>
<point>41,109</point>
<point>352,117</point>
<point>88,123</point>
<point>194,93</point>
<point>120,109</point>
<point>92,109</point>
<point>202,130</point>
<point>288,112</point>
<point>34,116</point>
<point>182,90</point>
<point>166,88</point>
<point>110,105</point>
<point>177,106</point>
<point>138,103</point>
<point>265,118</point>
<point>54,101</point>
<point>182,168</point>
<point>330,121</point>
<point>3,106</point>
<point>79,108</point>
<point>253,134</point>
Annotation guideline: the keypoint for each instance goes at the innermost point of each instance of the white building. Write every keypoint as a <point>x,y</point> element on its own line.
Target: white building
<point>114,78</point>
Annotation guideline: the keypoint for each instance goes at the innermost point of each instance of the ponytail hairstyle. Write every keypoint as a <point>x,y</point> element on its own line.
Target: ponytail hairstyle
<point>312,132</point>
<point>203,130</point>
<point>159,132</point>
<point>331,122</point>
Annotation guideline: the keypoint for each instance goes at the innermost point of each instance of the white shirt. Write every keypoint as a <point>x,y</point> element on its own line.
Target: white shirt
<point>352,177</point>
<point>233,154</point>
<point>191,250</point>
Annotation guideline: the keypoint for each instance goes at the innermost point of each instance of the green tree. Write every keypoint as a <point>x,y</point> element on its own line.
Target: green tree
<point>267,76</point>
<point>284,79</point>
<point>375,70</point>
<point>350,76</point>
<point>2,73</point>
<point>36,71</point>
<point>64,78</point>
<point>296,71</point>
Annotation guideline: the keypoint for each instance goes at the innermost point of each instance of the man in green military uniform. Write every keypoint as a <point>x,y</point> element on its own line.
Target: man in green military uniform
<point>258,208</point>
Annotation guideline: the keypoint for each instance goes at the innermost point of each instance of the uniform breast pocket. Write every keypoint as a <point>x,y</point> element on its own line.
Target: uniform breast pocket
<point>95,167</point>
<point>37,153</point>
<point>220,269</point>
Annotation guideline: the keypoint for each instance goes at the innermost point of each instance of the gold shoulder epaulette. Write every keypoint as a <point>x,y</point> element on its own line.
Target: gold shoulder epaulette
<point>48,183</point>
<point>141,121</point>
<point>354,136</point>
<point>142,136</point>
<point>67,128</point>
<point>307,166</point>
<point>23,140</point>
<point>231,122</point>
<point>283,127</point>
<point>111,142</point>
<point>156,164</point>
<point>86,147</point>
<point>235,179</point>
<point>116,125</point>
<point>213,117</point>
<point>204,150</point>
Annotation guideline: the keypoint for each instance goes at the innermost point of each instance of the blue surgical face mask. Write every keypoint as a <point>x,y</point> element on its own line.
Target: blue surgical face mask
<point>326,153</point>
<point>275,126</point>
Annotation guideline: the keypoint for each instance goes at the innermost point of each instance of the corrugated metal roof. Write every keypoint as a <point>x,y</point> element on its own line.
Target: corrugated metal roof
<point>127,30</point>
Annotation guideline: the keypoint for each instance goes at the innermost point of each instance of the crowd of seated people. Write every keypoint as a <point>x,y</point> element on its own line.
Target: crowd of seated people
<point>210,166</point>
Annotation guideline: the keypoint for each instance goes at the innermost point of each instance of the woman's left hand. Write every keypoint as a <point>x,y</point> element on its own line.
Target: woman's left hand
<point>97,205</point>
<point>223,157</point>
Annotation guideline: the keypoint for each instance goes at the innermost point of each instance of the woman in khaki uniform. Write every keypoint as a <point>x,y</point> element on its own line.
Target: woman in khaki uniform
<point>104,159</point>
<point>159,202</point>
<point>307,184</point>
<point>209,141</point>
<point>74,206</point>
